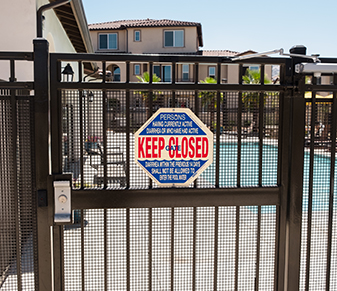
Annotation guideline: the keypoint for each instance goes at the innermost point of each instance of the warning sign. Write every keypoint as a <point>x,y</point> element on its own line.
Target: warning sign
<point>174,147</point>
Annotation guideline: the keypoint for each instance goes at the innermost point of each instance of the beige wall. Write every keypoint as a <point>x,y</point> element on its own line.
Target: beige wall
<point>121,40</point>
<point>18,23</point>
<point>229,73</point>
<point>152,40</point>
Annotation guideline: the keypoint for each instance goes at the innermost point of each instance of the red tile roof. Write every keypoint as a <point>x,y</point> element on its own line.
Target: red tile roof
<point>220,53</point>
<point>120,24</point>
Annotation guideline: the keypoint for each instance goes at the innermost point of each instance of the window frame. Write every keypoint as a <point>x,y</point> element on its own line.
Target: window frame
<point>174,39</point>
<point>134,69</point>
<point>154,68</point>
<point>134,36</point>
<point>163,73</point>
<point>108,36</point>
<point>254,68</point>
<point>209,73</point>
<point>184,72</point>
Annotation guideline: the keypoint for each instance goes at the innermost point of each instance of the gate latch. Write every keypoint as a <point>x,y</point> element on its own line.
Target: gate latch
<point>62,198</point>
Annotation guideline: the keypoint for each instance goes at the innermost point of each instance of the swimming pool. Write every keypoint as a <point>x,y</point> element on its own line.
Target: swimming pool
<point>250,171</point>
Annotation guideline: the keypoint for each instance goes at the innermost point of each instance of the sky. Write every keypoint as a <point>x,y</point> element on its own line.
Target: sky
<point>237,25</point>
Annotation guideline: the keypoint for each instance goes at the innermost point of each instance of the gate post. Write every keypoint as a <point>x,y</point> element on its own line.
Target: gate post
<point>292,163</point>
<point>42,162</point>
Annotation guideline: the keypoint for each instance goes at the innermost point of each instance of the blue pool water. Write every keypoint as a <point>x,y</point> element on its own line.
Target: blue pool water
<point>250,172</point>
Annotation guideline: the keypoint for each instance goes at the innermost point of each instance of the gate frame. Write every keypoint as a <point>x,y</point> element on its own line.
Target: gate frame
<point>285,196</point>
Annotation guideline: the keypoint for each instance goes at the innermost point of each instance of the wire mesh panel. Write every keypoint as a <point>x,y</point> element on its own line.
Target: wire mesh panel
<point>116,249</point>
<point>202,248</point>
<point>27,201</point>
<point>247,248</point>
<point>333,271</point>
<point>139,249</point>
<point>183,248</point>
<point>227,248</point>
<point>99,126</point>
<point>205,260</point>
<point>8,201</point>
<point>319,189</point>
<point>18,203</point>
<point>271,129</point>
<point>72,258</point>
<point>267,259</point>
<point>161,248</point>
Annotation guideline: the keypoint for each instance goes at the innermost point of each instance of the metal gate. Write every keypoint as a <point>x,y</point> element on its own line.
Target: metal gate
<point>261,217</point>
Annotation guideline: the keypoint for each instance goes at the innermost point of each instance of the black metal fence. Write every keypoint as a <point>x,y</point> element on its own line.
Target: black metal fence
<point>222,232</point>
<point>261,217</point>
<point>18,232</point>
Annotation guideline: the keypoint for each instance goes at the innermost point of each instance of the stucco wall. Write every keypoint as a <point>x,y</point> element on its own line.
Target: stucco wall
<point>121,40</point>
<point>18,23</point>
<point>152,40</point>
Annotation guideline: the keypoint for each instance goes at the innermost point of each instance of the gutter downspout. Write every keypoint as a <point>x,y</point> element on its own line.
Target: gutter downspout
<point>39,19</point>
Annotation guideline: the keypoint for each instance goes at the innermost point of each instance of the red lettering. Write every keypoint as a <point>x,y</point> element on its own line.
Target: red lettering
<point>184,147</point>
<point>148,147</point>
<point>171,144</point>
<point>191,147</point>
<point>161,145</point>
<point>141,153</point>
<point>178,155</point>
<point>198,147</point>
<point>154,147</point>
<point>204,147</point>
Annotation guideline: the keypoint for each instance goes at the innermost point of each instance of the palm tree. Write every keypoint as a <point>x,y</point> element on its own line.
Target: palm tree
<point>146,94</point>
<point>251,100</point>
<point>208,99</point>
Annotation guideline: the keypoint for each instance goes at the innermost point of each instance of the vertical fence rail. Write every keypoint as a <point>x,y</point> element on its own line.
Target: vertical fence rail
<point>42,160</point>
<point>332,185</point>
<point>237,240</point>
<point>258,243</point>
<point>81,135</point>
<point>82,251</point>
<point>216,247</point>
<point>16,199</point>
<point>310,198</point>
<point>172,248</point>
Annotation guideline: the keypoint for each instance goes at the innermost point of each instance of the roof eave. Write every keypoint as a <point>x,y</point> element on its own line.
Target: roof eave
<point>199,31</point>
<point>74,22</point>
<point>81,20</point>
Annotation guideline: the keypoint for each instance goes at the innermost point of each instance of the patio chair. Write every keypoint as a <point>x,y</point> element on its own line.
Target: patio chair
<point>245,131</point>
<point>115,165</point>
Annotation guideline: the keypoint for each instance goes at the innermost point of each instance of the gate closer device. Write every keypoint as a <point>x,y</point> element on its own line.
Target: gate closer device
<point>62,197</point>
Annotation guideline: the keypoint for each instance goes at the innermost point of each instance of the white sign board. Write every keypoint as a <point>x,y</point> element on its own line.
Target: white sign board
<point>173,147</point>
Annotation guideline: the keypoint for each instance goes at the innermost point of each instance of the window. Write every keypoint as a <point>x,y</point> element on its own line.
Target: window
<point>137,35</point>
<point>136,69</point>
<point>254,68</point>
<point>211,72</point>
<point>166,74</point>
<point>117,74</point>
<point>173,38</point>
<point>156,70</point>
<point>108,41</point>
<point>163,72</point>
<point>186,71</point>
